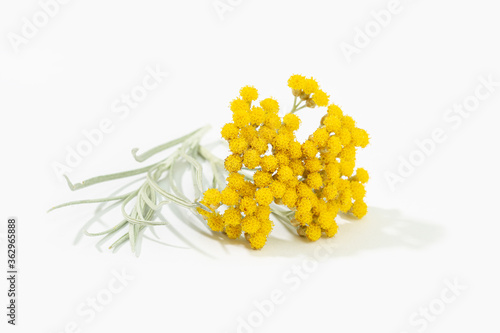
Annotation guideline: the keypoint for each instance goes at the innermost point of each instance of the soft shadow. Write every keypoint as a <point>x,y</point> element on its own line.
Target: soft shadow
<point>185,240</point>
<point>379,229</point>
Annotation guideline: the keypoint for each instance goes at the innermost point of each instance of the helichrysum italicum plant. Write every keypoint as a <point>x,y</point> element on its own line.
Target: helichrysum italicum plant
<point>314,180</point>
<point>268,171</point>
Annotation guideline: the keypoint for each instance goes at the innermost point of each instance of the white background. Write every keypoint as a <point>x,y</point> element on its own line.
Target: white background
<point>440,224</point>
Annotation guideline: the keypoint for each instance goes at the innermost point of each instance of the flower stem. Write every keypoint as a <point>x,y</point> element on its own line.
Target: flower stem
<point>297,106</point>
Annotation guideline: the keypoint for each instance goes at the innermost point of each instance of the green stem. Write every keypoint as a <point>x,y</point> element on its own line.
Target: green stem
<point>297,109</point>
<point>105,178</point>
<point>296,105</point>
<point>153,151</point>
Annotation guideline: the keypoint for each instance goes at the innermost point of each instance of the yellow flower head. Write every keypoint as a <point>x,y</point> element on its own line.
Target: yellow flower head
<point>229,197</point>
<point>320,207</point>
<point>233,163</point>
<point>266,226</point>
<point>249,93</point>
<point>315,202</point>
<point>248,189</point>
<point>347,168</point>
<point>362,175</point>
<point>320,98</point>
<point>330,192</point>
<point>283,159</point>
<point>334,145</point>
<point>320,137</point>
<point>258,240</point>
<point>248,205</point>
<point>326,219</point>
<point>297,167</point>
<point>334,110</point>
<point>269,163</point>
<point>345,200</point>
<point>263,212</point>
<point>238,145</point>
<point>250,224</point>
<point>235,181</point>
<point>313,165</point>
<point>304,217</point>
<point>328,157</point>
<point>332,123</point>
<point>273,121</point>
<point>360,137</point>
<point>285,174</point>
<point>262,178</point>
<point>293,182</point>
<point>211,197</point>
<point>290,198</point>
<point>348,122</point>
<point>278,189</point>
<point>260,145</point>
<point>239,105</point>
<point>232,216</point>
<point>332,171</point>
<point>251,159</point>
<point>285,130</point>
<point>359,209</point>
<point>270,105</point>
<point>310,86</point>
<point>241,118</point>
<point>281,141</point>
<point>313,232</point>
<point>215,222</point>
<point>257,115</point>
<point>332,231</point>
<point>305,191</point>
<point>291,121</point>
<point>233,231</point>
<point>267,133</point>
<point>248,133</point>
<point>295,150</point>
<point>314,180</point>
<point>309,149</point>
<point>348,153</point>
<point>264,196</point>
<point>358,190</point>
<point>304,205</point>
<point>296,82</point>
<point>229,131</point>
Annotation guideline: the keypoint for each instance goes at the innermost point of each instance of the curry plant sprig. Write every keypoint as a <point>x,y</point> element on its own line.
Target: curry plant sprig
<point>150,197</point>
<point>305,185</point>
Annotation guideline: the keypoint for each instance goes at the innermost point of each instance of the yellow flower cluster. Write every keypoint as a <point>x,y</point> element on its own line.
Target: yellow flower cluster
<point>308,90</point>
<point>314,179</point>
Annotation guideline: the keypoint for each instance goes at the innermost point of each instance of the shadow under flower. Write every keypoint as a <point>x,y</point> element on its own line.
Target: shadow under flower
<point>379,229</point>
